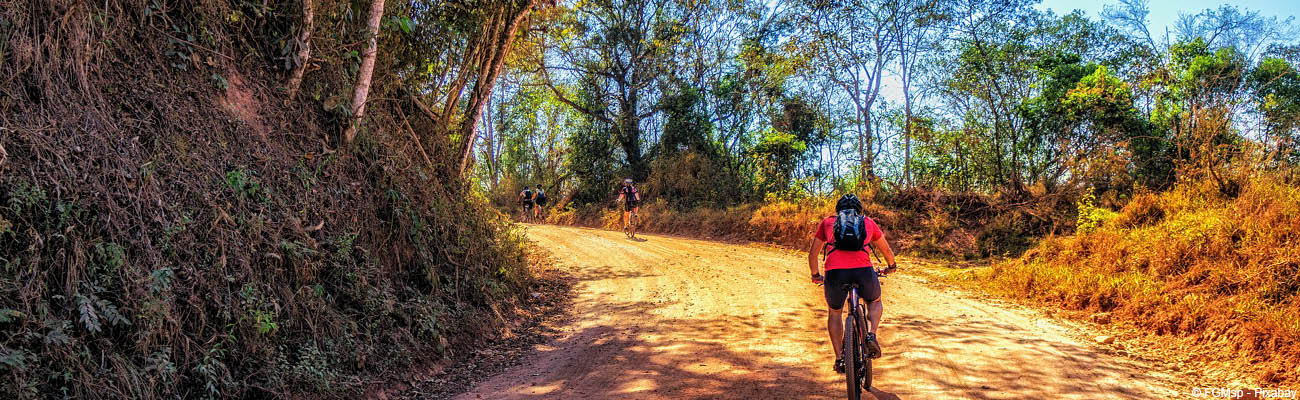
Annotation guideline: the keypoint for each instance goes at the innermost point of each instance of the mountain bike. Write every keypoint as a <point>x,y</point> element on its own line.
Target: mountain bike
<point>857,357</point>
<point>857,361</point>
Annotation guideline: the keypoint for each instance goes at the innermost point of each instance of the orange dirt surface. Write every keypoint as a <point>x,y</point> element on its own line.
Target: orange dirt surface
<point>670,318</point>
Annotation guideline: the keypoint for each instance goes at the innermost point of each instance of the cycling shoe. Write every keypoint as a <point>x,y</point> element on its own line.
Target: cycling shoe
<point>873,347</point>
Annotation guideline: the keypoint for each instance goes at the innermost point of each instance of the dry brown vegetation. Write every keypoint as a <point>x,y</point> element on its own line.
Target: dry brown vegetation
<point>171,227</point>
<point>1219,274</point>
<point>919,221</point>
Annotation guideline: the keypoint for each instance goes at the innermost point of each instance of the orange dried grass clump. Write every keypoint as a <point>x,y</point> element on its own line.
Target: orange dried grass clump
<point>1221,272</point>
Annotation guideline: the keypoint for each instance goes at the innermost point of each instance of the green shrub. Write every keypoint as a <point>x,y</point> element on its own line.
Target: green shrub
<point>1091,217</point>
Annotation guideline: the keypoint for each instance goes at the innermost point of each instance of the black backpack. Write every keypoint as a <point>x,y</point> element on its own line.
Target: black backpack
<point>528,194</point>
<point>850,231</point>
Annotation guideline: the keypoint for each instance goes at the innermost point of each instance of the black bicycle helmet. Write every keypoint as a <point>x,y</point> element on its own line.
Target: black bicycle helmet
<point>848,201</point>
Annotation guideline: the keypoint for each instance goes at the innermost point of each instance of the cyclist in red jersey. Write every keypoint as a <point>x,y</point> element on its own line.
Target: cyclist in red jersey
<point>842,267</point>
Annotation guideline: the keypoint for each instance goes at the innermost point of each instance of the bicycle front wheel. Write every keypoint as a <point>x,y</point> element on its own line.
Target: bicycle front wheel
<point>852,357</point>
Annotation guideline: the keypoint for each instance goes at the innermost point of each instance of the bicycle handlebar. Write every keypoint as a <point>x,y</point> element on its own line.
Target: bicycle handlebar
<point>879,274</point>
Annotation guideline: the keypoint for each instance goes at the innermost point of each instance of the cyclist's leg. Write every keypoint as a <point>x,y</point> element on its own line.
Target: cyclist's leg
<point>874,311</point>
<point>835,296</point>
<point>835,328</point>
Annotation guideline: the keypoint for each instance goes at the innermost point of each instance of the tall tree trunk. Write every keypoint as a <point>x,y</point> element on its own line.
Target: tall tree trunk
<point>304,50</point>
<point>462,76</point>
<point>862,153</point>
<point>630,137</point>
<point>490,126</point>
<point>907,111</point>
<point>907,135</point>
<point>367,70</point>
<point>869,164</point>
<point>866,154</point>
<point>483,88</point>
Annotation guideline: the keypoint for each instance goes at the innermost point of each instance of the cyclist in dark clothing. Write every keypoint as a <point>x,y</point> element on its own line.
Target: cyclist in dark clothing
<point>539,198</point>
<point>526,200</point>
<point>631,200</point>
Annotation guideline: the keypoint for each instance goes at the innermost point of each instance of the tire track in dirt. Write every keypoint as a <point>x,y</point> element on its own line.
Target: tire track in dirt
<point>672,318</point>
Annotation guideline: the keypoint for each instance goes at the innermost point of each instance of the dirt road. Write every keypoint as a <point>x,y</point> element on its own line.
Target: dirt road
<point>674,318</point>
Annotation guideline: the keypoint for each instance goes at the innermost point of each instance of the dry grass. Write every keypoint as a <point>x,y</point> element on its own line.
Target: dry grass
<point>919,222</point>
<point>782,223</point>
<point>1220,273</point>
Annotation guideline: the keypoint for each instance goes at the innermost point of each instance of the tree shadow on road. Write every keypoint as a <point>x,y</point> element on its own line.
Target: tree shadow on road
<point>732,357</point>
<point>878,394</point>
<point>747,356</point>
<point>985,359</point>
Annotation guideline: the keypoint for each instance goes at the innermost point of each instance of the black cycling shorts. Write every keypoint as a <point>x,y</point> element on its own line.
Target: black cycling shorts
<point>541,201</point>
<point>528,205</point>
<point>868,285</point>
<point>629,205</point>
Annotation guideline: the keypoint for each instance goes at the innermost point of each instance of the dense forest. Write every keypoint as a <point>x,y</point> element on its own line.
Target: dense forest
<point>718,102</point>
<point>230,198</point>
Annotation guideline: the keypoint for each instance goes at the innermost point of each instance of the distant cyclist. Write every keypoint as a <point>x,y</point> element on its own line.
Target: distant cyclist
<point>526,200</point>
<point>539,198</point>
<point>844,239</point>
<point>631,201</point>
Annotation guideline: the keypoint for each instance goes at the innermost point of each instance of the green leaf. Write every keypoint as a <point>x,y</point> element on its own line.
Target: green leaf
<point>13,359</point>
<point>9,315</point>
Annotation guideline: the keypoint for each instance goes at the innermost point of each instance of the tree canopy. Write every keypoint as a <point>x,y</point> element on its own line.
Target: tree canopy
<point>808,98</point>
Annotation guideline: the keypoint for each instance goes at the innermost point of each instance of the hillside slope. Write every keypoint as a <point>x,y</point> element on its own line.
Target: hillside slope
<point>172,225</point>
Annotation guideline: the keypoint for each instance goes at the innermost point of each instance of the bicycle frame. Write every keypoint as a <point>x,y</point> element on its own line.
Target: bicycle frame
<point>859,314</point>
<point>857,365</point>
<point>856,311</point>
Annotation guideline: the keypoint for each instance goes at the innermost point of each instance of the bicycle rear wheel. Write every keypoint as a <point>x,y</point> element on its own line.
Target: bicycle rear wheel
<point>851,357</point>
